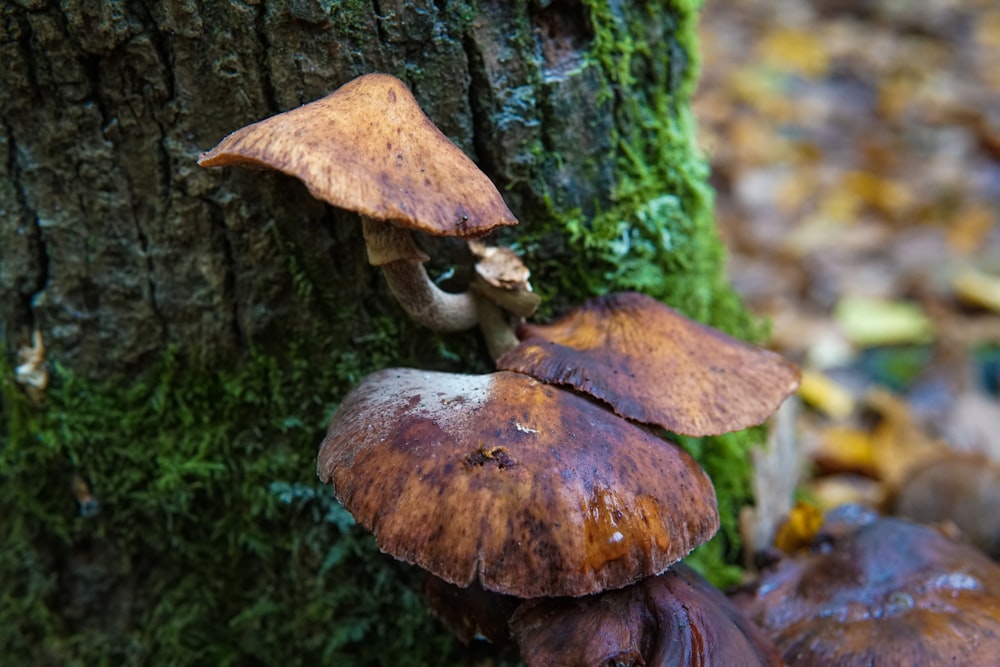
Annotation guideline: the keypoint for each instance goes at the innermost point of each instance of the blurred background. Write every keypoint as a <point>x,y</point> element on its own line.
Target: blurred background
<point>855,151</point>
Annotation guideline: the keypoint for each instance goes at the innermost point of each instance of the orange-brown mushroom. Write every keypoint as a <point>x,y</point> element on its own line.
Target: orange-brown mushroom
<point>655,366</point>
<point>367,147</point>
<point>881,591</point>
<point>676,619</point>
<point>531,490</point>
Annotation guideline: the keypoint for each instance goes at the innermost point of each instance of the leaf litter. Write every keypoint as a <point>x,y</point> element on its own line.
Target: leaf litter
<point>855,152</point>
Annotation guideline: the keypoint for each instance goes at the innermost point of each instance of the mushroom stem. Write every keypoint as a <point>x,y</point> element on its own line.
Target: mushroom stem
<point>402,263</point>
<point>496,325</point>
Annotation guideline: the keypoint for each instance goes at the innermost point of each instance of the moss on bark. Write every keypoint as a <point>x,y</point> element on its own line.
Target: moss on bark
<point>203,325</point>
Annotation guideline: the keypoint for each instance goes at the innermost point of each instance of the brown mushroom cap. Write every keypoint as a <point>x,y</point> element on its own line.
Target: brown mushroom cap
<point>886,593</point>
<point>368,147</point>
<point>532,490</point>
<point>653,365</point>
<point>676,619</point>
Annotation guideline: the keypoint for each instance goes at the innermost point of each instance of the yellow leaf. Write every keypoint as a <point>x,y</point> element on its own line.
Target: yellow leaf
<point>821,392</point>
<point>890,197</point>
<point>836,490</point>
<point>796,52</point>
<point>798,530</point>
<point>898,443</point>
<point>987,30</point>
<point>869,321</point>
<point>969,228</point>
<point>843,448</point>
<point>977,288</point>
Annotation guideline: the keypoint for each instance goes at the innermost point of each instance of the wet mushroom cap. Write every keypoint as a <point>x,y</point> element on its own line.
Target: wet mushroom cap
<point>887,592</point>
<point>653,365</point>
<point>676,619</point>
<point>369,148</point>
<point>531,490</point>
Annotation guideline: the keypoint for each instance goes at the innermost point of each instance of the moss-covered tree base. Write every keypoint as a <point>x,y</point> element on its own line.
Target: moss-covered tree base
<point>213,542</point>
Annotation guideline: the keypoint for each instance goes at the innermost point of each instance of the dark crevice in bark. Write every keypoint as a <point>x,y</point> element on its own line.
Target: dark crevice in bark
<point>93,72</point>
<point>380,18</point>
<point>160,45</point>
<point>217,218</point>
<point>24,44</point>
<point>477,82</point>
<point>27,294</point>
<point>266,78</point>
<point>163,160</point>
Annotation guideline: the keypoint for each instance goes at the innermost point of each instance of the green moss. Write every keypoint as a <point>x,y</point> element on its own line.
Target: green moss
<point>659,235</point>
<point>214,543</point>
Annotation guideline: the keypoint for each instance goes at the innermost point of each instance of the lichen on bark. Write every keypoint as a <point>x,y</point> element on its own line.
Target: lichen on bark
<point>202,325</point>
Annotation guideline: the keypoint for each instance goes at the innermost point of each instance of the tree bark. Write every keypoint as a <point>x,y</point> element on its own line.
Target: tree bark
<point>116,245</point>
<point>159,496</point>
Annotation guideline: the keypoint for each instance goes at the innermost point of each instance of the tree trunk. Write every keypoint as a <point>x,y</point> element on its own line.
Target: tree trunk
<point>200,324</point>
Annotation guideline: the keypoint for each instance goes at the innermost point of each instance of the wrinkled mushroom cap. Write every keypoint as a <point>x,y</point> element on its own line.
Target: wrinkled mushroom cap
<point>528,489</point>
<point>653,365</point>
<point>368,147</point>
<point>500,267</point>
<point>676,619</point>
<point>884,592</point>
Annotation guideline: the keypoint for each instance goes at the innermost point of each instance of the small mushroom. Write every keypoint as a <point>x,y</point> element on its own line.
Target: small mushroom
<point>676,619</point>
<point>504,295</point>
<point>880,591</point>
<point>367,147</point>
<point>531,490</point>
<point>655,366</point>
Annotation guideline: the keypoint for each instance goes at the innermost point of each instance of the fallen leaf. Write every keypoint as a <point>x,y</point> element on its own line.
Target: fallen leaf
<point>821,392</point>
<point>868,322</point>
<point>977,288</point>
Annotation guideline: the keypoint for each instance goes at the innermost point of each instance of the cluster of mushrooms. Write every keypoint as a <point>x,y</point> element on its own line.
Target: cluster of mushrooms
<point>541,498</point>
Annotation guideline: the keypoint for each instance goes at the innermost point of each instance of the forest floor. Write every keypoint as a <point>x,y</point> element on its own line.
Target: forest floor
<point>855,150</point>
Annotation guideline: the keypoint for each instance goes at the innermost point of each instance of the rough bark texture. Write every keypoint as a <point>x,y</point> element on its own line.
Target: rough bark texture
<point>117,245</point>
<point>200,325</point>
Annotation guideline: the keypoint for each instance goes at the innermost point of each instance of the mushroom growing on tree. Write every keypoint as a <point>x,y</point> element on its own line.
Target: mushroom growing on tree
<point>528,489</point>
<point>653,365</point>
<point>368,148</point>
<point>880,591</point>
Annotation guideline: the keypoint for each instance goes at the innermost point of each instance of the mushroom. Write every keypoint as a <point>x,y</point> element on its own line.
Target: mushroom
<point>676,619</point>
<point>963,489</point>
<point>504,295</point>
<point>528,489</point>
<point>880,591</point>
<point>367,147</point>
<point>655,366</point>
